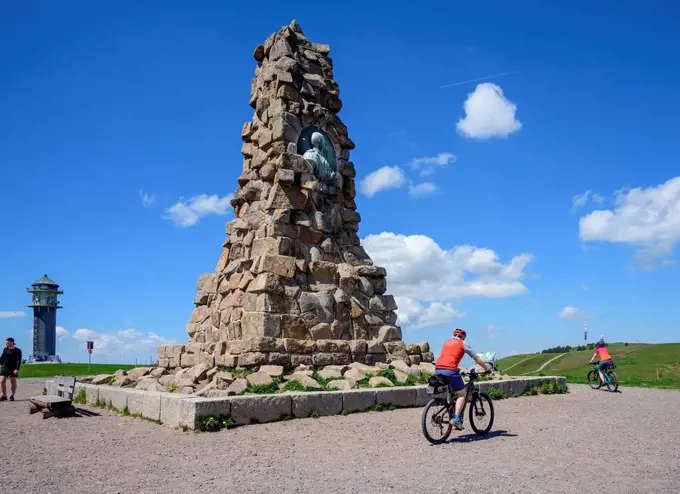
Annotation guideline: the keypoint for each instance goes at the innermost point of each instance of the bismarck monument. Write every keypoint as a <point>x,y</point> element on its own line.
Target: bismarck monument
<point>293,284</point>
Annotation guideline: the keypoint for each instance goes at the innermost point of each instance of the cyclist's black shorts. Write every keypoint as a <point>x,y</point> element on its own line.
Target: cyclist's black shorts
<point>605,364</point>
<point>453,377</point>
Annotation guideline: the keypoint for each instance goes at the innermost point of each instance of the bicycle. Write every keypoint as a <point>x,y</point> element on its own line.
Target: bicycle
<point>611,380</point>
<point>443,408</point>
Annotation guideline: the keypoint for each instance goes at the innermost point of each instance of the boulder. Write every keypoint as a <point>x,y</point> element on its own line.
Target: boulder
<point>259,379</point>
<point>401,376</point>
<point>139,372</point>
<point>355,374</point>
<point>305,380</point>
<point>119,373</point>
<point>327,373</point>
<point>237,387</point>
<point>272,370</point>
<point>223,379</point>
<point>146,382</point>
<point>185,390</point>
<point>207,389</point>
<point>197,372</point>
<point>401,366</point>
<point>378,381</point>
<point>122,381</point>
<point>158,372</point>
<point>341,384</point>
<point>427,367</point>
<point>167,380</point>
<point>101,379</point>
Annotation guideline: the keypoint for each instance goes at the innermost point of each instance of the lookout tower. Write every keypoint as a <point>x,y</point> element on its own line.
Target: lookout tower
<point>45,305</point>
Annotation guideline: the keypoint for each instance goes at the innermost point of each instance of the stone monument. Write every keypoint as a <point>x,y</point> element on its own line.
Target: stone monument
<point>293,284</point>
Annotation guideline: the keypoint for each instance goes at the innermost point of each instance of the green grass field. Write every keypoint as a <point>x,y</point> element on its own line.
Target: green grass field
<point>636,365</point>
<point>50,370</point>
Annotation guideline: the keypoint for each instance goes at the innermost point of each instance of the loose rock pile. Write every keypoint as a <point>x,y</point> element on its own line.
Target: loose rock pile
<point>293,286</point>
<point>201,380</point>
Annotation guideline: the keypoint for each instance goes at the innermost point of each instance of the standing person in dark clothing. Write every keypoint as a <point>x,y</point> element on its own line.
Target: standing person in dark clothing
<point>10,361</point>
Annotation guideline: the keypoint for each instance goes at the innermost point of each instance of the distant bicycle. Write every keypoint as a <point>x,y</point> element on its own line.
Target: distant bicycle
<point>437,417</point>
<point>610,378</point>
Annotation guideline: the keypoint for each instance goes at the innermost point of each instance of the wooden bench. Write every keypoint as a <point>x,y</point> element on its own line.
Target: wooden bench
<point>59,404</point>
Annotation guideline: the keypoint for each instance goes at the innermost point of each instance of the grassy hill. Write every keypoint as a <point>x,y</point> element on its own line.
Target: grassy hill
<point>50,370</point>
<point>636,364</point>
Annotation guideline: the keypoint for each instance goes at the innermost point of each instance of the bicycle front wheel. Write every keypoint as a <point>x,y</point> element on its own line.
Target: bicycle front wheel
<point>594,379</point>
<point>481,414</point>
<point>613,384</point>
<point>436,421</point>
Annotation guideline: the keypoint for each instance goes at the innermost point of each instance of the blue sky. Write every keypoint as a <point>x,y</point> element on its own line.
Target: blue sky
<point>113,113</point>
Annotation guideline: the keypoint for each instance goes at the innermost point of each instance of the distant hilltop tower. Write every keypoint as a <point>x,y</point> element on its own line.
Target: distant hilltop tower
<point>45,305</point>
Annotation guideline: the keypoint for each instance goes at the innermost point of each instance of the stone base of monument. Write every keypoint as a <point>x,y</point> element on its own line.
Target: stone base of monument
<point>186,411</point>
<point>291,352</point>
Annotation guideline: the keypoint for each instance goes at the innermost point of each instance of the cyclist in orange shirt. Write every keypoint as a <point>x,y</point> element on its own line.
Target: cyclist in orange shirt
<point>605,359</point>
<point>452,353</point>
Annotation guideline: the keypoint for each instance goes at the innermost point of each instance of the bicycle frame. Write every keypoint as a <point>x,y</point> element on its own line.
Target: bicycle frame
<point>605,373</point>
<point>471,390</point>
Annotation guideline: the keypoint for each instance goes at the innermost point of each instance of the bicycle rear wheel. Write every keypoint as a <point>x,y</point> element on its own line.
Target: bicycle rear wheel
<point>436,421</point>
<point>594,379</point>
<point>613,384</point>
<point>481,414</point>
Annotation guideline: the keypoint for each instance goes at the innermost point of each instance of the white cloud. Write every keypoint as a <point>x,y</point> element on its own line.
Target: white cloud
<point>492,330</point>
<point>515,352</point>
<point>579,201</point>
<point>646,218</point>
<point>62,333</point>
<point>387,177</point>
<point>148,200</point>
<point>488,113</point>
<point>9,314</point>
<point>420,269</point>
<point>572,314</point>
<point>413,315</point>
<point>123,342</point>
<point>427,165</point>
<point>129,333</point>
<point>422,189</point>
<point>187,213</point>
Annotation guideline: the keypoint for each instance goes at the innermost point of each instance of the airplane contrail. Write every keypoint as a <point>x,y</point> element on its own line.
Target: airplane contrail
<point>478,79</point>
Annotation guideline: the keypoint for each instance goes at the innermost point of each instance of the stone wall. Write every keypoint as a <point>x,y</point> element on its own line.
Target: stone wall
<point>174,410</point>
<point>290,352</point>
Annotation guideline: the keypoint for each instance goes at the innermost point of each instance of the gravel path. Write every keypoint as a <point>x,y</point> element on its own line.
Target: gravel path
<point>549,362</point>
<point>584,441</point>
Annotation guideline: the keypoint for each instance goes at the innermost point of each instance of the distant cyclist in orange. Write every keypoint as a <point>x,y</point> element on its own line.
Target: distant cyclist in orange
<point>605,359</point>
<point>452,353</point>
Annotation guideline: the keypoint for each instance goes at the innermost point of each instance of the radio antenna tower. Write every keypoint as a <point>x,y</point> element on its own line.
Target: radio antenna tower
<point>585,332</point>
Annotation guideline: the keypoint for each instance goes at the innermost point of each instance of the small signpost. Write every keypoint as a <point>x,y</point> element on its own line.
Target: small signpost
<point>90,347</point>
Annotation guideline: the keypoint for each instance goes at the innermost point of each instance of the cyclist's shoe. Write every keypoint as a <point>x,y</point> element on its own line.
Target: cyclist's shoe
<point>11,398</point>
<point>457,423</point>
<point>3,398</point>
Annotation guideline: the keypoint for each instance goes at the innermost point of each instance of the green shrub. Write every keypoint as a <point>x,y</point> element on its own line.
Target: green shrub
<point>296,386</point>
<point>214,424</point>
<point>263,389</point>
<point>496,394</point>
<point>81,397</point>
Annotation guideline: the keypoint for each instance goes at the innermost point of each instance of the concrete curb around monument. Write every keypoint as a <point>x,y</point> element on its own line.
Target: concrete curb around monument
<point>183,411</point>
